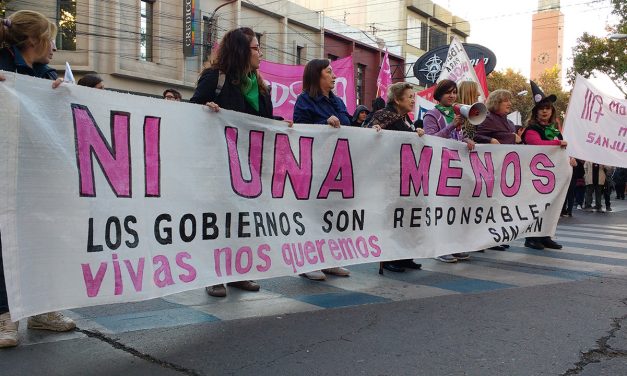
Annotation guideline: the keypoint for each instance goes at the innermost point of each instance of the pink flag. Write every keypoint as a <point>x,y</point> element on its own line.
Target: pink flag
<point>385,77</point>
<point>285,83</point>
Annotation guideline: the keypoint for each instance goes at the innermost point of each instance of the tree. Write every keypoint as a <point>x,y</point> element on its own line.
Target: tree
<point>516,83</point>
<point>3,7</point>
<point>592,54</point>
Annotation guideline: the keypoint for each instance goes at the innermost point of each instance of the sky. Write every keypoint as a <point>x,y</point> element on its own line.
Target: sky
<point>505,28</point>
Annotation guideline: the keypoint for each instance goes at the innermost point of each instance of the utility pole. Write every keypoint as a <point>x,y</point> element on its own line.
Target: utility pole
<point>211,30</point>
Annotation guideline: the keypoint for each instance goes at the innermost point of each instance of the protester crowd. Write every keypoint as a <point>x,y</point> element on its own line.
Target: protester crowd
<point>234,82</point>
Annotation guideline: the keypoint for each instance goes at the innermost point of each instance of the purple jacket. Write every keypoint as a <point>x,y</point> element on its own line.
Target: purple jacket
<point>498,127</point>
<point>434,123</point>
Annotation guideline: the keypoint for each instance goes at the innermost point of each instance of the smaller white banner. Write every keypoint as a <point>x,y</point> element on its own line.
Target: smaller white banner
<point>458,67</point>
<point>596,125</point>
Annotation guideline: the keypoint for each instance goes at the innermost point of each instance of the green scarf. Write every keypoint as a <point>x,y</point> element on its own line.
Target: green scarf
<point>250,90</point>
<point>551,131</point>
<point>448,113</point>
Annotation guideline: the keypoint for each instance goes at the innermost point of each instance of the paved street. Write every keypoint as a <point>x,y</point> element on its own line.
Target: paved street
<point>519,312</point>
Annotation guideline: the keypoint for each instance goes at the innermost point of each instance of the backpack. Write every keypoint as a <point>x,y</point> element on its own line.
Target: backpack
<point>221,81</point>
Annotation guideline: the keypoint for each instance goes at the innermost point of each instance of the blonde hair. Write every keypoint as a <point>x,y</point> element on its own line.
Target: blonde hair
<point>27,25</point>
<point>496,98</point>
<point>395,91</point>
<point>467,92</point>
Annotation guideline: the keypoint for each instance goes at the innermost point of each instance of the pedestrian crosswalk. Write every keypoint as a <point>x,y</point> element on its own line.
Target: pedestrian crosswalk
<point>591,249</point>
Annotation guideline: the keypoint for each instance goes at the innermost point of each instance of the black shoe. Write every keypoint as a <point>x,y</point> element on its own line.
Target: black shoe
<point>534,244</point>
<point>498,248</point>
<point>393,267</point>
<point>550,243</point>
<point>409,263</point>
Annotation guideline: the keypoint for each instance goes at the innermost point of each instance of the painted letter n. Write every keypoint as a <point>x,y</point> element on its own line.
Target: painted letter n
<point>114,159</point>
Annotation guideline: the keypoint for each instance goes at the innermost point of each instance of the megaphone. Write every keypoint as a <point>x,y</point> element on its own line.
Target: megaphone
<point>475,113</point>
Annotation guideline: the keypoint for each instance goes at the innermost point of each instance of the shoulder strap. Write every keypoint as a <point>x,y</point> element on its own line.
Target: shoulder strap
<point>221,81</point>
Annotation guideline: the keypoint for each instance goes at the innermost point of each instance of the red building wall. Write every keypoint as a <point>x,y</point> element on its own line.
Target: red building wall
<point>370,58</point>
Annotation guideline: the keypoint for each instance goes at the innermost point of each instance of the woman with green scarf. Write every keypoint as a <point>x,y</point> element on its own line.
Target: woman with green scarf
<point>233,82</point>
<point>542,129</point>
<point>442,121</point>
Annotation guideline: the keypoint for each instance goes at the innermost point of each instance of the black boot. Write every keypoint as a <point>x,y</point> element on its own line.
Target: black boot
<point>534,243</point>
<point>409,263</point>
<point>393,267</point>
<point>547,242</point>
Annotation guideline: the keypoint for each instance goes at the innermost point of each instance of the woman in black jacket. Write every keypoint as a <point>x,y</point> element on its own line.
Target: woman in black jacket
<point>233,82</point>
<point>394,117</point>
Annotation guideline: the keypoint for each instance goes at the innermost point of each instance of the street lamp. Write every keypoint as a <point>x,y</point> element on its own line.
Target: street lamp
<point>617,36</point>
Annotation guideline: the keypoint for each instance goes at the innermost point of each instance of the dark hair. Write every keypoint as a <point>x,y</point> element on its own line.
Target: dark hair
<point>444,87</point>
<point>90,80</point>
<point>176,94</point>
<point>312,74</point>
<point>234,55</point>
<point>533,118</point>
<point>377,104</point>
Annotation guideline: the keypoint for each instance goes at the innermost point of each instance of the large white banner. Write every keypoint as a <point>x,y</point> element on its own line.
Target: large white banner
<point>109,197</point>
<point>596,125</point>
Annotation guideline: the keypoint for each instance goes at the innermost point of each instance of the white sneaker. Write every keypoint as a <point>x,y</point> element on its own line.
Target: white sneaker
<point>316,275</point>
<point>54,321</point>
<point>339,271</point>
<point>8,331</point>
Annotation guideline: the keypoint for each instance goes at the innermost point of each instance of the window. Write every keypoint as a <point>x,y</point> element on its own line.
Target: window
<point>66,20</point>
<point>299,55</point>
<point>331,57</point>
<point>414,32</point>
<point>424,34</point>
<point>259,36</point>
<point>359,83</point>
<point>145,19</point>
<point>436,38</point>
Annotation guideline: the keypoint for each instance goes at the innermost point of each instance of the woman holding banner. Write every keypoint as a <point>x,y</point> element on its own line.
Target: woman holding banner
<point>442,121</point>
<point>318,105</point>
<point>542,130</point>
<point>30,39</point>
<point>233,82</point>
<point>395,117</point>
<point>497,128</point>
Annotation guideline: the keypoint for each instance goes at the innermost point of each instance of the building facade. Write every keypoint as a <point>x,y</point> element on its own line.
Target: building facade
<point>413,26</point>
<point>341,40</point>
<point>138,45</point>
<point>547,37</point>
